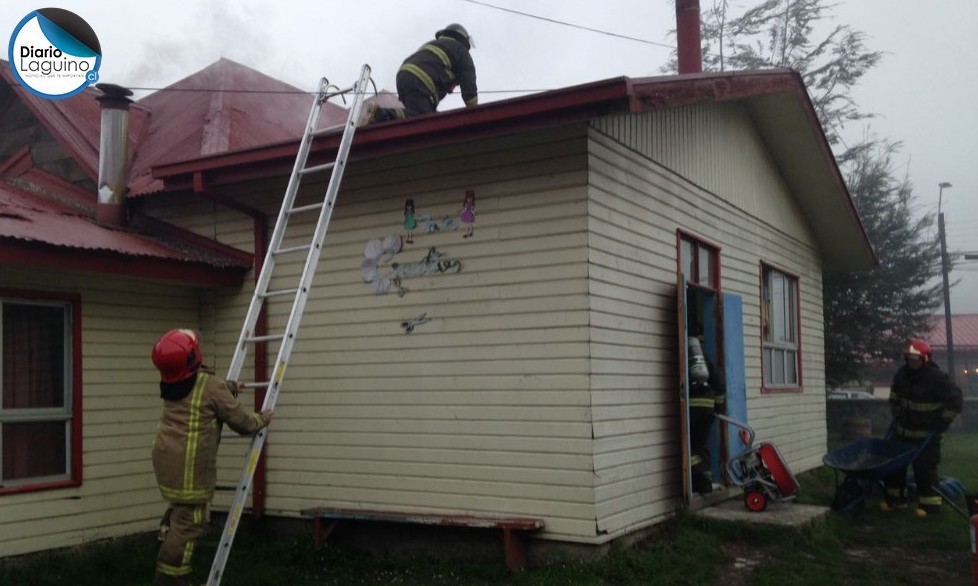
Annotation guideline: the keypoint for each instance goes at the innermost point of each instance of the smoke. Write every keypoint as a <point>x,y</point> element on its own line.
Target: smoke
<point>205,34</point>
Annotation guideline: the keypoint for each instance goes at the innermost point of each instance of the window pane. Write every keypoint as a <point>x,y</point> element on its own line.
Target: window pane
<point>768,361</point>
<point>686,259</point>
<point>32,450</point>
<point>791,367</point>
<point>33,356</point>
<point>705,265</point>
<point>778,377</point>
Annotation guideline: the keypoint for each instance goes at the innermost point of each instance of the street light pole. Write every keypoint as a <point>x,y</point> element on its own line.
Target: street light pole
<point>947,288</point>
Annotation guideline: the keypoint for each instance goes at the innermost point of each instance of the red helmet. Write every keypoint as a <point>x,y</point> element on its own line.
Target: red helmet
<point>177,355</point>
<point>917,347</point>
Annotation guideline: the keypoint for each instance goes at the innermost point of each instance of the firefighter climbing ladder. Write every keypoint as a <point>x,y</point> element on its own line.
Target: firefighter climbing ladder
<point>300,293</point>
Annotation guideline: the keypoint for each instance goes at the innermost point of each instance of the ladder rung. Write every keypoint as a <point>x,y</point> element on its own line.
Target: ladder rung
<point>279,293</point>
<point>291,249</point>
<point>255,385</point>
<point>272,338</point>
<point>307,208</point>
<point>318,168</point>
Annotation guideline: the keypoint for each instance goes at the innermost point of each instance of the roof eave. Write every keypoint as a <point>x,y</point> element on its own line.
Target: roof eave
<point>543,110</point>
<point>194,274</point>
<point>566,106</point>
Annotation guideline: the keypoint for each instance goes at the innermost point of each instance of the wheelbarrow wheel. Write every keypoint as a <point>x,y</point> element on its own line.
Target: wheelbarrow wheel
<point>755,501</point>
<point>849,496</point>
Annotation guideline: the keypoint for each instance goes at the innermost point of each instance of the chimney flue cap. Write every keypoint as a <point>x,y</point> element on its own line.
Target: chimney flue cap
<point>114,96</point>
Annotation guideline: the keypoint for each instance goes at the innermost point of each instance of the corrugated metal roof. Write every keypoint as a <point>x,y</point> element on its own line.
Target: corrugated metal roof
<point>224,107</point>
<point>36,219</point>
<point>964,329</point>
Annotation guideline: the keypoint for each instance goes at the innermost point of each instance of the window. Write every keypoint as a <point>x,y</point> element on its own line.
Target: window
<point>699,262</point>
<point>38,403</point>
<point>779,323</point>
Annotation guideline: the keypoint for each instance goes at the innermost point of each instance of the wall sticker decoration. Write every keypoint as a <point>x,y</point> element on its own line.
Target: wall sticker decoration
<point>378,252</point>
<point>468,214</point>
<point>409,222</point>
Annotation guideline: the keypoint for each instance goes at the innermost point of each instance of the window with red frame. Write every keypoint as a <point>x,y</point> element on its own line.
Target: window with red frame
<point>36,414</point>
<point>698,262</point>
<point>779,326</point>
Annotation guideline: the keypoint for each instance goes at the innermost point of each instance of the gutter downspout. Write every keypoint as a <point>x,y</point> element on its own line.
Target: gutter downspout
<point>260,227</point>
<point>689,51</point>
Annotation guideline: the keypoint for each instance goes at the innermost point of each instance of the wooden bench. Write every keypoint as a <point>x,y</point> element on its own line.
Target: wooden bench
<point>325,520</point>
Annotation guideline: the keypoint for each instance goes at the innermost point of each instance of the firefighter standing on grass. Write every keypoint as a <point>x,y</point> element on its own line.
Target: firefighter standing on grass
<point>195,404</point>
<point>432,72</point>
<point>924,401</point>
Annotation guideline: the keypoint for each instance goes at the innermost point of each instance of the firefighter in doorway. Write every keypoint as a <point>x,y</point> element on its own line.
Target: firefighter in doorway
<point>195,404</point>
<point>707,396</point>
<point>924,401</point>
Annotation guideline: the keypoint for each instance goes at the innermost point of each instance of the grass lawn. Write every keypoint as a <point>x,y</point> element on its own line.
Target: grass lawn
<point>869,548</point>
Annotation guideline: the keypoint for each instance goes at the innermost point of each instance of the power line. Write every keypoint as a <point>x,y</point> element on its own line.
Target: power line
<point>572,25</point>
<point>296,92</point>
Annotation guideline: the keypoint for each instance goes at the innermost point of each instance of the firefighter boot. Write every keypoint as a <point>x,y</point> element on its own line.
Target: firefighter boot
<point>888,506</point>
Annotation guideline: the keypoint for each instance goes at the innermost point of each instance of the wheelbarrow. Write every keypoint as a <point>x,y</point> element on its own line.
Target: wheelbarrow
<point>864,464</point>
<point>760,470</point>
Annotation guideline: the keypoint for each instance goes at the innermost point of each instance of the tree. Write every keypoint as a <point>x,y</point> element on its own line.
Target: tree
<point>867,313</point>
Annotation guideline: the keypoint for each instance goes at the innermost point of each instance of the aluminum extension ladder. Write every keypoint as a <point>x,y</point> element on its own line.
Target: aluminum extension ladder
<point>300,293</point>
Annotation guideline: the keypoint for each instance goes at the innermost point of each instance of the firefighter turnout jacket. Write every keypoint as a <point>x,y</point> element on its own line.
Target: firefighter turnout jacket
<point>923,401</point>
<point>441,65</point>
<point>185,448</point>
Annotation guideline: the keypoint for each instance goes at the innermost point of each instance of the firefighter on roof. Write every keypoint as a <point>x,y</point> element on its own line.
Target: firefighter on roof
<point>432,72</point>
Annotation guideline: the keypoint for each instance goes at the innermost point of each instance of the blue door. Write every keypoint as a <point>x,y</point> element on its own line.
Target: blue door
<point>733,363</point>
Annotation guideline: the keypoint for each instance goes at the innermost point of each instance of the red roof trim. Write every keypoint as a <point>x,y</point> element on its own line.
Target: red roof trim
<point>16,252</point>
<point>543,110</point>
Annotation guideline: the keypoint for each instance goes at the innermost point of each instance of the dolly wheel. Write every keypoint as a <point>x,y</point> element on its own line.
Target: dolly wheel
<point>755,501</point>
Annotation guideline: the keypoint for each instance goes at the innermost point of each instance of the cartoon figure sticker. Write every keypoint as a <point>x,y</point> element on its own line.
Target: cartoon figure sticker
<point>409,222</point>
<point>468,214</point>
<point>379,251</point>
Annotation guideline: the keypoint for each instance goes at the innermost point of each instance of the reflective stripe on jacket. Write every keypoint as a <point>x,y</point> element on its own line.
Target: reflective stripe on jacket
<point>185,448</point>
<point>441,65</point>
<point>923,401</point>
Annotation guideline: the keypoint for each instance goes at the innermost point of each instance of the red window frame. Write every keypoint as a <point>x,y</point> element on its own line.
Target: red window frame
<point>72,475</point>
<point>767,346</point>
<point>698,247</point>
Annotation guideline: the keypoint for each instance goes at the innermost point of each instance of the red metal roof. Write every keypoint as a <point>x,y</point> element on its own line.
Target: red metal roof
<point>223,107</point>
<point>34,229</point>
<point>964,329</point>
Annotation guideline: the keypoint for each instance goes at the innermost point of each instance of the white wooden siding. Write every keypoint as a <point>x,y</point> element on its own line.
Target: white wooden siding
<point>729,193</point>
<point>486,408</point>
<point>121,319</point>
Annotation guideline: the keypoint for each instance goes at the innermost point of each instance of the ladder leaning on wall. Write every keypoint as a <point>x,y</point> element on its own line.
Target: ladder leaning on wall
<point>299,294</point>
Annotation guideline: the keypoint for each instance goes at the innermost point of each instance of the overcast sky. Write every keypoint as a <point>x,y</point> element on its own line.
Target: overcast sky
<point>923,93</point>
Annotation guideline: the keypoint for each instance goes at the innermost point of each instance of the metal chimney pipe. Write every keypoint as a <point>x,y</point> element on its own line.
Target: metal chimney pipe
<point>689,50</point>
<point>113,171</point>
